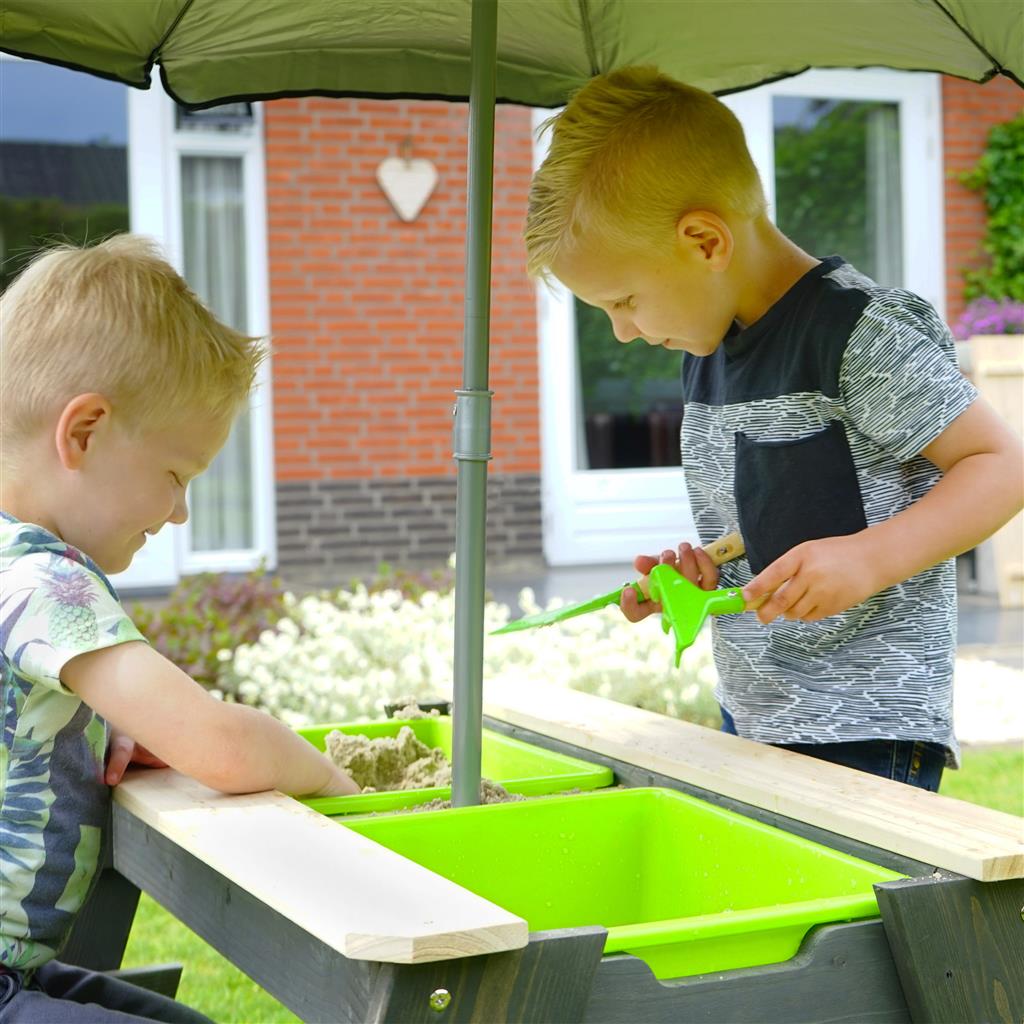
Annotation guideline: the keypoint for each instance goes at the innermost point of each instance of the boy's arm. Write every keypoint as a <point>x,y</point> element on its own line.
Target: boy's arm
<point>982,488</point>
<point>229,747</point>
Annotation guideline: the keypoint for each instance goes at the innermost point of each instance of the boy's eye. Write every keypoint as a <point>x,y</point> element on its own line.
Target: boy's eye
<point>626,303</point>
<point>177,479</point>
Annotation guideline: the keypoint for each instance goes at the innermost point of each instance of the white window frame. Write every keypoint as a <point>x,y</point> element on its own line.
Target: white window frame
<point>600,516</point>
<point>156,148</point>
<point>918,97</point>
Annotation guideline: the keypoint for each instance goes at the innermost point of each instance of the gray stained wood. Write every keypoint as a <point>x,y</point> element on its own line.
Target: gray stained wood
<point>958,946</point>
<point>546,982</point>
<point>842,974</point>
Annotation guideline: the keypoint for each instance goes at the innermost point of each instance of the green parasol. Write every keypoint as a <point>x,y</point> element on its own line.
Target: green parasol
<point>534,52</point>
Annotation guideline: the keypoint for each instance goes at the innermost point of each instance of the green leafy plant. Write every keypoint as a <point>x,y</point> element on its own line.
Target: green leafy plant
<point>410,583</point>
<point>34,223</point>
<point>998,178</point>
<point>208,613</point>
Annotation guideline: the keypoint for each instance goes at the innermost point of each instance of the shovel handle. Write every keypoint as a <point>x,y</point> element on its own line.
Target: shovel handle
<point>720,551</point>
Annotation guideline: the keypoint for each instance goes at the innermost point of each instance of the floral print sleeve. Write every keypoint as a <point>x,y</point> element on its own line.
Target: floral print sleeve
<point>55,604</point>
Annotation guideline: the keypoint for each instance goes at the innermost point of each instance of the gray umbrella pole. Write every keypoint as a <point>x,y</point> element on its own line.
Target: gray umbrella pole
<point>473,417</point>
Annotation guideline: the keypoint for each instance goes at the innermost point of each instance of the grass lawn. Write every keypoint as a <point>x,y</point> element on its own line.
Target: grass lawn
<point>991,776</point>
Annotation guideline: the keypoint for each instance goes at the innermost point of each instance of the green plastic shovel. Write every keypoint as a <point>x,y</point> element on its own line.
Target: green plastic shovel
<point>684,605</point>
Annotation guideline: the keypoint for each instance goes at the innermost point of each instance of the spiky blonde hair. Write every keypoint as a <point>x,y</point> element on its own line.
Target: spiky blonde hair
<point>117,319</point>
<point>631,153</point>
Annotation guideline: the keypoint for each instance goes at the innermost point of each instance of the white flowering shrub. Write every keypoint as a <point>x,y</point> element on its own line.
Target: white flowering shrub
<point>341,658</point>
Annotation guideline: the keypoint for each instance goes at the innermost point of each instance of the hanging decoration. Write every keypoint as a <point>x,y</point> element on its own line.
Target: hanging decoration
<point>408,182</point>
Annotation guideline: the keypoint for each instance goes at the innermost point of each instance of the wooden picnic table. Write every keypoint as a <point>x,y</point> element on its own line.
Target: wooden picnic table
<point>340,928</point>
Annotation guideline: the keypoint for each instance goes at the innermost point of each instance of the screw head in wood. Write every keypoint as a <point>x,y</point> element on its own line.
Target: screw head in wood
<point>439,1000</point>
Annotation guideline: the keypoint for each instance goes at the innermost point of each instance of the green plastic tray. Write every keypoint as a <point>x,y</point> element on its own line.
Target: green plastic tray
<point>685,886</point>
<point>519,767</point>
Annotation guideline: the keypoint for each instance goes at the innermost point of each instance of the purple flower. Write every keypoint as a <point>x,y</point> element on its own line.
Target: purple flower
<point>990,316</point>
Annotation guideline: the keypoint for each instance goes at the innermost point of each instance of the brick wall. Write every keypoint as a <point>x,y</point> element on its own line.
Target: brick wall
<point>331,529</point>
<point>366,315</point>
<point>969,111</point>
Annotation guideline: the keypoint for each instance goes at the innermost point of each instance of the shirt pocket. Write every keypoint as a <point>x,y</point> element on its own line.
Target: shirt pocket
<point>788,492</point>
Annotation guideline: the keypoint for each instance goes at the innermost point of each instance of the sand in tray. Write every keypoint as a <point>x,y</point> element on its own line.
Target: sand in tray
<point>401,762</point>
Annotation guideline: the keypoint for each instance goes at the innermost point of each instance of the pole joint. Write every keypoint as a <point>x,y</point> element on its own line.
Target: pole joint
<point>472,434</point>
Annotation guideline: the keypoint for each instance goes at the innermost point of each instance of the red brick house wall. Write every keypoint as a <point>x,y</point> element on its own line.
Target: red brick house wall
<point>366,319</point>
<point>367,322</point>
<point>969,110</point>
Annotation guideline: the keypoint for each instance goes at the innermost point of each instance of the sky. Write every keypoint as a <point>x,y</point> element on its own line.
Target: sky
<point>41,102</point>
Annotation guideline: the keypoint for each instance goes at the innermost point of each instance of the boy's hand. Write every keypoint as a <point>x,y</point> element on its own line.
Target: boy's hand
<point>692,563</point>
<point>123,750</point>
<point>816,579</point>
<point>339,784</point>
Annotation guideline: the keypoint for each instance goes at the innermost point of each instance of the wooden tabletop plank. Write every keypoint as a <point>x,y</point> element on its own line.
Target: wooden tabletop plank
<point>356,896</point>
<point>952,834</point>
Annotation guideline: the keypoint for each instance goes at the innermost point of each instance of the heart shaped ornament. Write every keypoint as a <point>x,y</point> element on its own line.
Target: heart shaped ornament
<point>408,184</point>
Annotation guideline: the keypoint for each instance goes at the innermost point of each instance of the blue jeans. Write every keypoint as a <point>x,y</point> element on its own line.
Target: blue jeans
<point>914,762</point>
<point>58,993</point>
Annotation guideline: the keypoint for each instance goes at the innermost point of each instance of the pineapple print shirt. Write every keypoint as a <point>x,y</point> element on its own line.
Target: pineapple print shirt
<point>55,603</point>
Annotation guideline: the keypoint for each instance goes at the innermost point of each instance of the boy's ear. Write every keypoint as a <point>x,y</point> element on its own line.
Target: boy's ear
<point>80,422</point>
<point>706,235</point>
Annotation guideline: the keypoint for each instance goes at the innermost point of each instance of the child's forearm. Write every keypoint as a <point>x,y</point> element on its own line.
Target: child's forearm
<point>269,755</point>
<point>976,496</point>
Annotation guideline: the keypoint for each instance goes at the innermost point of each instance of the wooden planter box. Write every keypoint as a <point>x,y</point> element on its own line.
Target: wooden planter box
<point>995,363</point>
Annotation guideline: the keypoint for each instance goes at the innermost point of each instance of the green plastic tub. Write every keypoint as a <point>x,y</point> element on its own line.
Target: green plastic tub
<point>519,767</point>
<point>685,886</point>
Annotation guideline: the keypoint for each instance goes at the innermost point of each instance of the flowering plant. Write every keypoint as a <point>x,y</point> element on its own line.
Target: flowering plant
<point>208,612</point>
<point>990,316</point>
<point>342,657</point>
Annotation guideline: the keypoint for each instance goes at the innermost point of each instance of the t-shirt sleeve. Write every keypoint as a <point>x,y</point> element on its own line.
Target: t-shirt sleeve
<point>55,608</point>
<point>899,379</point>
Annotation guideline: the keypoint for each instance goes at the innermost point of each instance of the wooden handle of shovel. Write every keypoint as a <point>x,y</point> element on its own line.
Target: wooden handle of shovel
<point>720,551</point>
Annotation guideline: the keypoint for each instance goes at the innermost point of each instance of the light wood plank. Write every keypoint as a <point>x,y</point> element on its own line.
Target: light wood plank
<point>974,841</point>
<point>998,371</point>
<point>356,896</point>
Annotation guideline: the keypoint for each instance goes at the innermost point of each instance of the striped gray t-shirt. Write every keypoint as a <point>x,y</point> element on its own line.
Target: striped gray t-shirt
<point>809,424</point>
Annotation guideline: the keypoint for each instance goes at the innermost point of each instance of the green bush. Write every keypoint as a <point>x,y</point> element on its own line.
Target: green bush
<point>999,179</point>
<point>410,583</point>
<point>210,612</point>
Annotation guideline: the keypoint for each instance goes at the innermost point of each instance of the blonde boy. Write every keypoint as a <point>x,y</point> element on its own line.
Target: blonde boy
<point>117,388</point>
<point>825,418</point>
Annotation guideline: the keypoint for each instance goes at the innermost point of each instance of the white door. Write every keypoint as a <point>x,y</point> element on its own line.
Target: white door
<point>851,162</point>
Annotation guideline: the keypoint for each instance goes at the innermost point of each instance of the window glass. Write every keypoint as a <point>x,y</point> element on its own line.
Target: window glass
<point>631,398</point>
<point>213,233</point>
<point>837,181</point>
<point>63,160</point>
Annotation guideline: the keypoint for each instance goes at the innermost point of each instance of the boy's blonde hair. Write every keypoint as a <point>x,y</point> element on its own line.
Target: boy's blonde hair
<point>117,319</point>
<point>632,152</point>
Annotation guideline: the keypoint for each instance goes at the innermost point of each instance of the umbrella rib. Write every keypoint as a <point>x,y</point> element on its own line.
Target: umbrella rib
<point>170,29</point>
<point>995,63</point>
<point>588,36</point>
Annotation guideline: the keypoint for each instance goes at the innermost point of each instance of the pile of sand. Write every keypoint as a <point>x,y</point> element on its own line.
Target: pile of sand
<point>490,793</point>
<point>389,762</point>
<point>408,708</point>
<point>402,762</point>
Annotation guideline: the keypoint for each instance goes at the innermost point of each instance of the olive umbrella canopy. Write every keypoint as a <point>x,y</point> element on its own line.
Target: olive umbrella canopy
<point>534,52</point>
<point>213,51</point>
